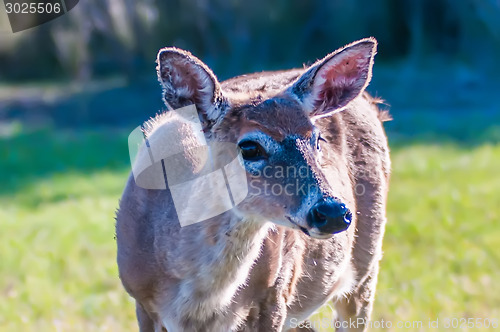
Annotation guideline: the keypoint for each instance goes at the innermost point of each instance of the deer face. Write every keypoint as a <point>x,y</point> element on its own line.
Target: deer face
<point>281,148</point>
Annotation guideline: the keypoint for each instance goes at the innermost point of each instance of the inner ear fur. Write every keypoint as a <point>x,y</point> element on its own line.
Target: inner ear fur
<point>332,82</point>
<point>187,80</point>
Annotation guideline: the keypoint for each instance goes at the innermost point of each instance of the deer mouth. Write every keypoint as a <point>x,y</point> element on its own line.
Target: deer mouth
<point>313,232</point>
<point>303,229</point>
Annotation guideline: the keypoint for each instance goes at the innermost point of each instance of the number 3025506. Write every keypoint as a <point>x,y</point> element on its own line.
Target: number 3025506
<point>33,8</point>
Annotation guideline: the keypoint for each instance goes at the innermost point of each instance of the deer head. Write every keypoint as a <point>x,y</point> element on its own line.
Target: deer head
<point>294,166</point>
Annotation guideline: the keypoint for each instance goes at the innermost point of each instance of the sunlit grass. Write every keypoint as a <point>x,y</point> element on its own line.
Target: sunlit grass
<point>441,247</point>
<point>58,270</point>
<point>60,191</point>
<point>441,257</point>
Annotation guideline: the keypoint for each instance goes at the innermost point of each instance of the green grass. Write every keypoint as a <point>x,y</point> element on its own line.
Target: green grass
<point>441,247</point>
<point>59,192</point>
<point>57,202</point>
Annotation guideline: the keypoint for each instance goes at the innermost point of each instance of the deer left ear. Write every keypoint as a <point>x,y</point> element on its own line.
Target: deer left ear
<point>332,82</point>
<point>186,80</point>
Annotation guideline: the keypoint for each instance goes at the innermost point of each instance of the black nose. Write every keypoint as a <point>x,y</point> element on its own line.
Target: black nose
<point>329,216</point>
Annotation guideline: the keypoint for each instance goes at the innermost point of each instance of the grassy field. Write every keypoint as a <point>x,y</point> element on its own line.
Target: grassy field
<point>59,192</point>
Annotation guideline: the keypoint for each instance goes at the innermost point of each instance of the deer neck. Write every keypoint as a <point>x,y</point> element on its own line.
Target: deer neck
<point>233,247</point>
<point>237,247</point>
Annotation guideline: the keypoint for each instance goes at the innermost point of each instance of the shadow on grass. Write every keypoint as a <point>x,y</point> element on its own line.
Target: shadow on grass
<point>32,156</point>
<point>113,102</point>
<point>466,129</point>
<point>438,102</point>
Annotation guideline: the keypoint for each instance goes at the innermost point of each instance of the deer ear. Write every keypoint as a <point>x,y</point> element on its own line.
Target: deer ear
<point>186,80</point>
<point>332,82</point>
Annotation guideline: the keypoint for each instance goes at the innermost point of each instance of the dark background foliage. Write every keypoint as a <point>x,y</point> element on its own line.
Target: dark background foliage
<point>100,38</point>
<point>95,65</point>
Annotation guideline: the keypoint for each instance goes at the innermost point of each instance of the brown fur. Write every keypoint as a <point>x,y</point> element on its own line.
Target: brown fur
<point>229,274</point>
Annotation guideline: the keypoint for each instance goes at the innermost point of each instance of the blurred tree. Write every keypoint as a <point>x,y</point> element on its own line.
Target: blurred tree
<point>122,36</point>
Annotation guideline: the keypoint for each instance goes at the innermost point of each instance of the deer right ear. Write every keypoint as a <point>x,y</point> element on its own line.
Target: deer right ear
<point>186,80</point>
<point>332,82</point>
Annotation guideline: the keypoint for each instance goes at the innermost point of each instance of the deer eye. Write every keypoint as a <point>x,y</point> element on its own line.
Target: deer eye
<point>320,138</point>
<point>252,151</point>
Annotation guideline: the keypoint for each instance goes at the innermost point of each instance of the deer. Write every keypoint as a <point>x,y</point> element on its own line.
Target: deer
<point>276,257</point>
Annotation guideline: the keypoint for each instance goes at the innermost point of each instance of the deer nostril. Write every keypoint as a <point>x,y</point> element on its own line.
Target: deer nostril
<point>348,216</point>
<point>320,218</point>
<point>329,216</point>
